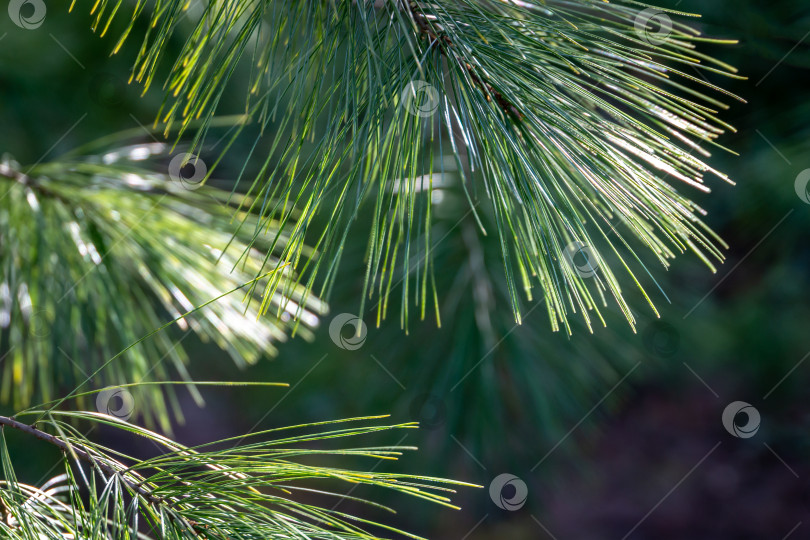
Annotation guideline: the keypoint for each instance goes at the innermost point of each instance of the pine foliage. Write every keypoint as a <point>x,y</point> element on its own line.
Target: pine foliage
<point>247,487</point>
<point>98,250</point>
<point>573,123</point>
<point>563,126</point>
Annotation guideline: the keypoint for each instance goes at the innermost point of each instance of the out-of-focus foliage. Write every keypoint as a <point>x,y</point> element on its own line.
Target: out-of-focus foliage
<point>96,252</point>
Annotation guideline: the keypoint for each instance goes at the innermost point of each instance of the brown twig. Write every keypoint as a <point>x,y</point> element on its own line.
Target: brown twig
<point>80,452</point>
<point>448,48</point>
<point>13,174</point>
<point>85,455</point>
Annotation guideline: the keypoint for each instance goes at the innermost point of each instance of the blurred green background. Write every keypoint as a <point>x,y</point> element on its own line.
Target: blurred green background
<point>616,434</point>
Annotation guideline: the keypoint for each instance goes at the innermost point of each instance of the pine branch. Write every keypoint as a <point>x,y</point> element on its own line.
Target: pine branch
<point>568,121</point>
<point>102,249</point>
<point>447,48</point>
<point>195,492</point>
<point>480,365</point>
<point>79,452</point>
<point>7,172</point>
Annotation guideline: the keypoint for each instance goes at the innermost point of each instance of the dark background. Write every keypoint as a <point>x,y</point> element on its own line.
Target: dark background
<point>616,434</point>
